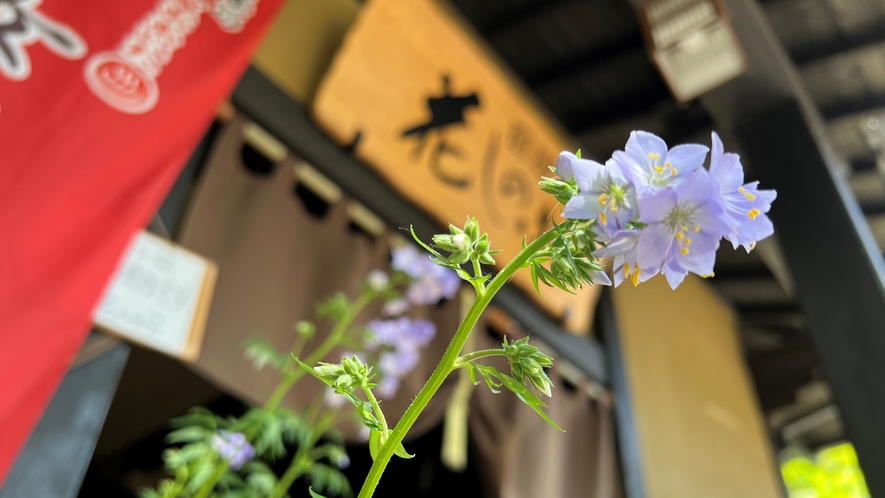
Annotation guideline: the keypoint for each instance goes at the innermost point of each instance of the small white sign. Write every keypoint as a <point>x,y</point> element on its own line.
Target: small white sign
<point>159,297</point>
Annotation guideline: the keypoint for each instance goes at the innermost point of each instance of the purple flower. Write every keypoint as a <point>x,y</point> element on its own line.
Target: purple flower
<point>435,283</point>
<point>571,167</point>
<point>408,260</point>
<point>233,447</point>
<point>431,282</point>
<point>745,205</point>
<point>684,225</point>
<point>403,339</point>
<point>623,249</point>
<point>608,198</point>
<point>650,166</point>
<point>388,387</point>
<point>395,307</point>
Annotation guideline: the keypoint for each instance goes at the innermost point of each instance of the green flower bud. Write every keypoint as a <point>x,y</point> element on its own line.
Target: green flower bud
<point>472,229</point>
<point>305,329</point>
<point>461,242</point>
<point>329,371</point>
<point>483,247</point>
<point>444,242</point>
<point>457,258</point>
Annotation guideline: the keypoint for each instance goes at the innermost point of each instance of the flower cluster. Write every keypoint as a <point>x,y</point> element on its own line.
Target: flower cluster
<point>430,282</point>
<point>658,210</point>
<point>398,343</point>
<point>233,447</point>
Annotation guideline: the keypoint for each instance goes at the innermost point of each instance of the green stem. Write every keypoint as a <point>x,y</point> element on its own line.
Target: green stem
<point>302,459</point>
<point>467,358</point>
<point>447,364</point>
<point>296,468</point>
<point>377,408</point>
<point>294,374</point>
<point>209,485</point>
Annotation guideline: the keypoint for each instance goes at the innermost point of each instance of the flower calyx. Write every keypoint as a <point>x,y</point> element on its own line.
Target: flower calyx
<point>527,364</point>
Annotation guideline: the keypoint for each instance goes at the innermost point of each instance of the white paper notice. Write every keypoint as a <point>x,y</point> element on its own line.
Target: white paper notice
<point>159,297</point>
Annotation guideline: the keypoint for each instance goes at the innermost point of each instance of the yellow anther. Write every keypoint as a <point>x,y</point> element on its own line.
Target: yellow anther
<point>705,276</point>
<point>753,213</point>
<point>634,279</point>
<point>668,164</point>
<point>742,190</point>
<point>626,271</point>
<point>684,228</point>
<point>673,171</point>
<point>679,235</point>
<point>749,196</point>
<point>687,241</point>
<point>602,218</point>
<point>697,229</point>
<point>603,198</point>
<point>613,205</point>
<point>654,155</point>
<point>685,251</point>
<point>659,169</point>
<point>712,274</point>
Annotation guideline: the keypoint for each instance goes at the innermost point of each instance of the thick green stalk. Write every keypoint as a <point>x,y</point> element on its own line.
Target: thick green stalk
<point>447,364</point>
<point>294,374</point>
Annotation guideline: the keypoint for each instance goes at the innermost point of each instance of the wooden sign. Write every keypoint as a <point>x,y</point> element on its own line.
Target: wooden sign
<point>159,297</point>
<point>447,128</point>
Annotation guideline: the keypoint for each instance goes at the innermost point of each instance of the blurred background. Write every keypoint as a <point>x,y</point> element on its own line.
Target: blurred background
<point>357,118</point>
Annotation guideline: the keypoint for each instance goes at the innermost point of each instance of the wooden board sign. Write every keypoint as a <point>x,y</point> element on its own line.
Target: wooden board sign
<point>447,128</point>
<point>159,297</point>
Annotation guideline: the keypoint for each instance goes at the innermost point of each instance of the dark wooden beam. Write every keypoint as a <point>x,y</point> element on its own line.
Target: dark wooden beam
<point>55,459</point>
<point>845,303</point>
<point>629,449</point>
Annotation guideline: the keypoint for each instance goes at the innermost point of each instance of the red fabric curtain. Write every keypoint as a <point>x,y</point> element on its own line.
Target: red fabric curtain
<point>101,103</point>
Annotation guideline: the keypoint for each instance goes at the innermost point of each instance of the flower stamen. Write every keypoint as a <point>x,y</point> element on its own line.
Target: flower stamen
<point>753,213</point>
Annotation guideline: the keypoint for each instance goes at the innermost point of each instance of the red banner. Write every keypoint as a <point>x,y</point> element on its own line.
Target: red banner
<point>101,103</point>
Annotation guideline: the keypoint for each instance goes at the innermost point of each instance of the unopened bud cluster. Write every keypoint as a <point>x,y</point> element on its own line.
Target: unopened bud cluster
<point>465,244</point>
<point>347,377</point>
<point>527,364</point>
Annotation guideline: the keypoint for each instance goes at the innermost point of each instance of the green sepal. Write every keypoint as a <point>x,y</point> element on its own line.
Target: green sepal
<point>375,443</point>
<point>401,452</point>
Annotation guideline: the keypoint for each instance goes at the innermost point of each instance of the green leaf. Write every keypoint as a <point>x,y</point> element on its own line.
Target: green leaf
<point>401,452</point>
<point>329,479</point>
<point>203,470</point>
<point>523,393</point>
<point>314,494</point>
<point>178,458</point>
<point>422,244</point>
<point>148,493</point>
<point>197,416</point>
<point>334,307</point>
<point>270,437</point>
<point>190,434</point>
<point>260,477</point>
<point>262,353</point>
<point>375,443</point>
<point>534,272</point>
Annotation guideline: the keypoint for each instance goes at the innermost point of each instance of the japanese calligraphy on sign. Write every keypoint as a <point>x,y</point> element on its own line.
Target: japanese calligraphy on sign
<point>447,128</point>
<point>22,24</point>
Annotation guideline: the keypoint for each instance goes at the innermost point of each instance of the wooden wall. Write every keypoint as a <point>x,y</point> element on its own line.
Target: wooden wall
<point>701,431</point>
